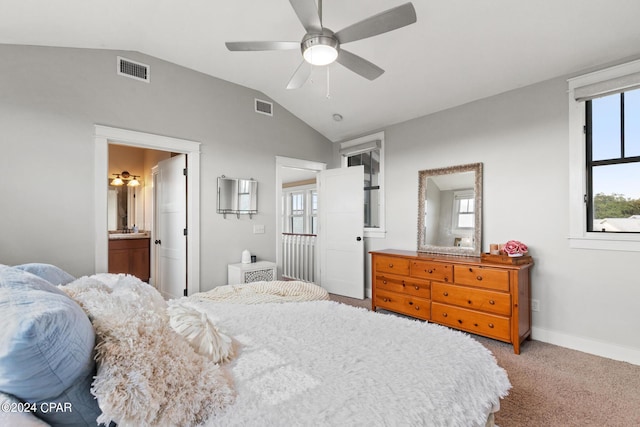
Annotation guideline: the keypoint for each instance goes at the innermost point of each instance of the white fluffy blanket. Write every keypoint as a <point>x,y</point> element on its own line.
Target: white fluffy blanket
<point>148,375</point>
<point>264,292</point>
<point>326,364</point>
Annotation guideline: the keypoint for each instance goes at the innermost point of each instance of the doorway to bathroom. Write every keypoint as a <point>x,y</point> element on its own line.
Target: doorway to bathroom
<point>106,137</point>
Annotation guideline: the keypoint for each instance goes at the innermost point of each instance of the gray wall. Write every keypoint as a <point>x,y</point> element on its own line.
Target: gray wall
<point>588,298</point>
<point>50,99</point>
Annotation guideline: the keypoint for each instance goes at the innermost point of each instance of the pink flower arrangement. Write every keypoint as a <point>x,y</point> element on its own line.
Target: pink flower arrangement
<point>515,248</point>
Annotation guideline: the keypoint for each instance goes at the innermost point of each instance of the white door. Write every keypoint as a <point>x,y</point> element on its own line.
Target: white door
<point>171,216</point>
<point>340,230</point>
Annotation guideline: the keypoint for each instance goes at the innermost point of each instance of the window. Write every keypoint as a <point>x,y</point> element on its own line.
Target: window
<point>613,163</point>
<point>371,162</point>
<point>368,151</point>
<point>463,206</point>
<point>300,211</point>
<point>604,159</point>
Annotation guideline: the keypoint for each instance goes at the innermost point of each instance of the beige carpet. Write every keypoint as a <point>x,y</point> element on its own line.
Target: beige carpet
<point>555,386</point>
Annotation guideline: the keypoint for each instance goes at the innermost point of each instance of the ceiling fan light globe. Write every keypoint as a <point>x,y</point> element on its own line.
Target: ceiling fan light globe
<point>320,54</point>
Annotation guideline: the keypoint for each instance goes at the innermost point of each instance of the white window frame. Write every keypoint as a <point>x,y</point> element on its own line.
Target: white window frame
<point>377,232</point>
<point>578,236</point>
<point>308,215</point>
<point>455,218</point>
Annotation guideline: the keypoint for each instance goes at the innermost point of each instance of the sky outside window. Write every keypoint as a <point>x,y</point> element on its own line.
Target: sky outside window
<point>624,178</point>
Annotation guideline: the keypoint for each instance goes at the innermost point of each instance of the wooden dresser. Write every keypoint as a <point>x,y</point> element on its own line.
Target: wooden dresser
<point>467,293</point>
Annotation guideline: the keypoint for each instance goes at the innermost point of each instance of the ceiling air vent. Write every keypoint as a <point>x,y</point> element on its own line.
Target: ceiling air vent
<point>264,107</point>
<point>133,69</point>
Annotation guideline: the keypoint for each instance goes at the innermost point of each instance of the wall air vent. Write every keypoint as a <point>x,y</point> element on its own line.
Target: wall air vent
<point>264,107</point>
<point>133,69</point>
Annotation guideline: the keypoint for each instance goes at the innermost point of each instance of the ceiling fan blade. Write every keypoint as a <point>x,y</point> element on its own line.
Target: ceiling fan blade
<point>383,22</point>
<point>300,76</point>
<point>308,15</point>
<point>359,65</point>
<point>252,46</point>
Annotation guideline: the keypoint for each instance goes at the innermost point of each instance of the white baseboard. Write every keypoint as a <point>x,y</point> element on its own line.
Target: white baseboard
<point>599,348</point>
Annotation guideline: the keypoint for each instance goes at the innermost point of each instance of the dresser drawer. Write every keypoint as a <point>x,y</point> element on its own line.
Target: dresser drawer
<point>432,270</point>
<point>475,299</point>
<point>489,325</point>
<point>482,277</point>
<point>405,304</point>
<point>387,264</point>
<point>404,285</point>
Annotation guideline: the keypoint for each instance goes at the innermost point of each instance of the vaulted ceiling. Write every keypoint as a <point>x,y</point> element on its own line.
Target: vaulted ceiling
<point>457,52</point>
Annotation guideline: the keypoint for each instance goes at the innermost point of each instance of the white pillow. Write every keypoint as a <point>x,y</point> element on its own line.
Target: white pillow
<point>200,332</point>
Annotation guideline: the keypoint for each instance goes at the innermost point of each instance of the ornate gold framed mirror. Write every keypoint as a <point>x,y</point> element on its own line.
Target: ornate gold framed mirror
<point>450,210</point>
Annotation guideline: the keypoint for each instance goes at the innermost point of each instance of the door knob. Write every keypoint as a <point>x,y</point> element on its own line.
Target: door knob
<point>358,238</point>
<point>158,242</point>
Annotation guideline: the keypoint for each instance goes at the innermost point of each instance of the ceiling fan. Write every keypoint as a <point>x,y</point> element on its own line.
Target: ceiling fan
<point>321,46</point>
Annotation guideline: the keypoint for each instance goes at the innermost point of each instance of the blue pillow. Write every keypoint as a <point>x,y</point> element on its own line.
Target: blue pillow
<point>46,349</point>
<point>15,278</point>
<point>50,273</point>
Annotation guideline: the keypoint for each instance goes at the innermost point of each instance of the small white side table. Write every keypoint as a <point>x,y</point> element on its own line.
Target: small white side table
<point>253,272</point>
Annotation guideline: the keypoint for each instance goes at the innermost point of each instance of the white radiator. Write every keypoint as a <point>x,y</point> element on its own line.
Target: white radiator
<point>299,256</point>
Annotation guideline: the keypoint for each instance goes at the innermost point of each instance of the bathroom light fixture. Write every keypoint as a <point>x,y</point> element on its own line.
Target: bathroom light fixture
<point>117,180</point>
<point>132,180</point>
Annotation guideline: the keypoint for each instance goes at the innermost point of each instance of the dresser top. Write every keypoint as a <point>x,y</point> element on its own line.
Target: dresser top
<point>453,259</point>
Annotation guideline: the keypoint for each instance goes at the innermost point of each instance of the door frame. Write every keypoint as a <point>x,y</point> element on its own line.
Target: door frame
<point>283,163</point>
<point>103,135</point>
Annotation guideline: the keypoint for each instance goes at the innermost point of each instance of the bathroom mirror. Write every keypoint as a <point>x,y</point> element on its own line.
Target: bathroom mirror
<point>123,203</point>
<point>237,196</point>
<point>450,210</point>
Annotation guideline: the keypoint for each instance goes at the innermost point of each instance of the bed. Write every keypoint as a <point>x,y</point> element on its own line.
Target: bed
<point>294,358</point>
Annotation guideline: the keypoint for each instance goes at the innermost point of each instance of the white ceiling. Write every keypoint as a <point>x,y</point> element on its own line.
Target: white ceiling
<point>457,52</point>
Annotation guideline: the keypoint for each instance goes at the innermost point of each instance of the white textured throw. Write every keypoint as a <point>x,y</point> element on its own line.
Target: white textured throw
<point>148,375</point>
<point>264,292</point>
<point>327,364</point>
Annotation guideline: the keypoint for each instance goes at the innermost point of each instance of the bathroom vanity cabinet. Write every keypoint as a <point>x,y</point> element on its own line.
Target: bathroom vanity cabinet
<point>130,256</point>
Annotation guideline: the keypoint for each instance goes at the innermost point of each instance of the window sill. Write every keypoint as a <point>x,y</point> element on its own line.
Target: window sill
<point>375,233</point>
<point>628,243</point>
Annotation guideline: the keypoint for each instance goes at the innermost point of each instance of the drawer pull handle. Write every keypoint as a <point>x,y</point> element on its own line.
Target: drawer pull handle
<point>384,281</point>
<point>403,284</point>
<point>444,314</point>
<point>446,294</point>
<point>460,321</point>
<point>417,307</point>
<point>470,269</point>
<point>417,287</point>
<point>410,302</point>
<point>479,278</point>
<point>429,271</point>
<point>469,301</point>
<point>475,324</point>
<point>385,299</point>
<point>390,265</point>
<point>492,302</point>
<point>491,325</point>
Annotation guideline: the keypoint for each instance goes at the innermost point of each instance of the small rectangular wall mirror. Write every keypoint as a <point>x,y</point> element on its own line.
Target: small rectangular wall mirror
<point>237,196</point>
<point>450,210</point>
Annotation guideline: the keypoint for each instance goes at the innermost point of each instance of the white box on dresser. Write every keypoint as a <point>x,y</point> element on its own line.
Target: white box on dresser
<point>251,272</point>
